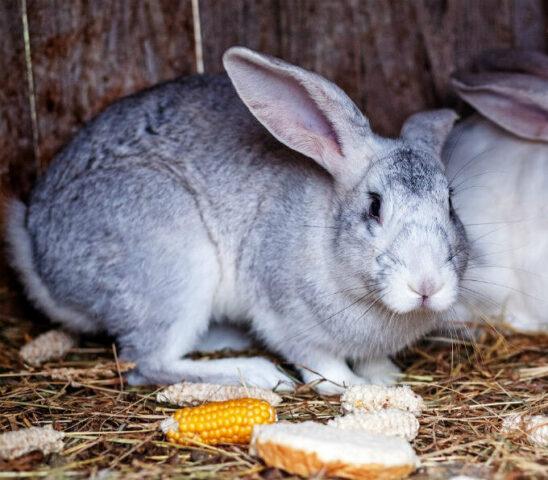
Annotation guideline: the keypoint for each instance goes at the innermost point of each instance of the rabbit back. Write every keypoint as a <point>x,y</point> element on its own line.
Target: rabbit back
<point>183,164</point>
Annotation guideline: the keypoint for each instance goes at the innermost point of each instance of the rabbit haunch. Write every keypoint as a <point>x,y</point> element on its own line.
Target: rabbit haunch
<point>175,207</point>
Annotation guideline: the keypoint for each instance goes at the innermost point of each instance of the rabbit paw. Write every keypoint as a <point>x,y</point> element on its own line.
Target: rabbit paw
<point>255,371</point>
<point>261,372</point>
<point>332,376</point>
<point>380,371</point>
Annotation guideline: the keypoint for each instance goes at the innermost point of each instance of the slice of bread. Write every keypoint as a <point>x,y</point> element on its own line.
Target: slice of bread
<point>310,448</point>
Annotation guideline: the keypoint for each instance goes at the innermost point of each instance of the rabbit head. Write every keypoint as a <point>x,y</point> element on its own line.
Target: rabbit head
<point>510,88</point>
<point>392,229</point>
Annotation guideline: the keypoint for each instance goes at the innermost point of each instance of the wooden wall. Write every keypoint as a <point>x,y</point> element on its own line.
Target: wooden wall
<point>62,61</point>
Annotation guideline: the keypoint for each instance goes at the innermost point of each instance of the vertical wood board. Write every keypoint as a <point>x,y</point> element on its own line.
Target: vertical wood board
<point>392,57</point>
<point>17,161</point>
<point>17,166</point>
<point>87,54</point>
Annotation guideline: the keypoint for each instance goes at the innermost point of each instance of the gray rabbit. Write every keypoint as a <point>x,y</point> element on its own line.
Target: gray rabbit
<point>175,210</point>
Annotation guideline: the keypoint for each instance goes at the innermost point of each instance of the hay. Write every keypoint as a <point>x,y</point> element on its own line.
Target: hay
<point>112,430</point>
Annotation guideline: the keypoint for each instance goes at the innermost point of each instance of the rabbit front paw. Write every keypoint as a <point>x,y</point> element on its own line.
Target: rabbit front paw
<point>329,375</point>
<point>381,371</point>
<point>255,371</point>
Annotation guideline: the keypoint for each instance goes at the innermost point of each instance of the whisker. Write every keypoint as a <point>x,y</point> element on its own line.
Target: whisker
<point>475,157</point>
<point>486,319</point>
<point>480,174</point>
<point>480,297</point>
<point>320,226</point>
<point>323,321</point>
<point>514,269</point>
<point>521,292</point>
<point>350,289</point>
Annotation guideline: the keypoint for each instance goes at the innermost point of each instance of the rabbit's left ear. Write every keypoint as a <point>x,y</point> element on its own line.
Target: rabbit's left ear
<point>304,111</point>
<point>428,130</point>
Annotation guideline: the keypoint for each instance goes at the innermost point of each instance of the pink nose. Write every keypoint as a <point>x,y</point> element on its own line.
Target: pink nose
<point>426,288</point>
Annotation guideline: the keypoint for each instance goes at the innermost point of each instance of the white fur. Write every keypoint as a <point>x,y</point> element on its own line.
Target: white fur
<point>381,371</point>
<point>501,195</point>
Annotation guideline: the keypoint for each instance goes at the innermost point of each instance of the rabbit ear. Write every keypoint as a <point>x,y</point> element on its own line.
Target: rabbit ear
<point>428,130</point>
<point>514,101</point>
<point>302,110</point>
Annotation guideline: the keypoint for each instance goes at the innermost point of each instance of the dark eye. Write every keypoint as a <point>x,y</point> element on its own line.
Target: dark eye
<point>375,206</point>
<point>450,199</point>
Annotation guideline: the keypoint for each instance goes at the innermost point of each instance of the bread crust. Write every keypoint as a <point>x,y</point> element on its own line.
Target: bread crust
<point>306,464</point>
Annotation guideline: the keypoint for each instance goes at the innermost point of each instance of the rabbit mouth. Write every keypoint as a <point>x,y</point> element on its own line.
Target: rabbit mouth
<point>424,299</point>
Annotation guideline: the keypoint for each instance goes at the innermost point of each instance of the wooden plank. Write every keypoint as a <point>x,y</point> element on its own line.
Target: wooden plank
<point>17,160</point>
<point>530,27</point>
<point>17,165</point>
<point>88,53</point>
<point>392,57</point>
<point>459,31</point>
<point>341,40</point>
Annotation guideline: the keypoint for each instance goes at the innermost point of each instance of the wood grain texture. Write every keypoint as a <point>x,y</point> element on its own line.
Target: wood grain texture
<point>392,57</point>
<point>17,166</point>
<point>87,53</point>
<point>17,161</point>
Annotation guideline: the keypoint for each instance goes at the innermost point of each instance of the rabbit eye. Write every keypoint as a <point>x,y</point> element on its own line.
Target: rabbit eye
<point>375,207</point>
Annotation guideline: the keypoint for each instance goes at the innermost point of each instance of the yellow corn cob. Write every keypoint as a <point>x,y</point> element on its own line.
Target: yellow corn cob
<point>231,421</point>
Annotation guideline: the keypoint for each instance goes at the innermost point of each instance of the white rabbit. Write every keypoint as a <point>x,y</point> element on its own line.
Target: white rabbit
<point>175,208</point>
<point>497,163</point>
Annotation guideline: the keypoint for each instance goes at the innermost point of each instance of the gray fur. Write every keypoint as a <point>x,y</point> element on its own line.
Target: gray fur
<point>428,130</point>
<point>175,207</point>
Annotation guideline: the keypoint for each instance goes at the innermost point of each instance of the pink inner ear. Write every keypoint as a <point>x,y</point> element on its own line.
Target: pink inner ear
<point>284,106</point>
<point>522,119</point>
<point>514,101</point>
<point>526,121</point>
<point>304,129</point>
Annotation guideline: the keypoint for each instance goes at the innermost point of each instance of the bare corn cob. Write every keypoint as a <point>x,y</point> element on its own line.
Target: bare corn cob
<point>535,427</point>
<point>21,442</point>
<point>187,393</point>
<point>371,398</point>
<point>48,346</point>
<point>391,421</point>
<point>231,421</point>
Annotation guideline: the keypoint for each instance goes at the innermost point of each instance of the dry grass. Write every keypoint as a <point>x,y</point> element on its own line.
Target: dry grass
<point>112,429</point>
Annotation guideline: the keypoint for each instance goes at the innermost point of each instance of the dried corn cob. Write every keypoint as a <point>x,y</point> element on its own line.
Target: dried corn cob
<point>21,442</point>
<point>391,421</point>
<point>187,393</point>
<point>371,398</point>
<point>534,426</point>
<point>231,421</point>
<point>97,372</point>
<point>48,346</point>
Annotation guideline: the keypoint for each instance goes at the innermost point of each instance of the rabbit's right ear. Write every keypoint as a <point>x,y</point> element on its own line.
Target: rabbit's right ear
<point>304,111</point>
<point>516,102</point>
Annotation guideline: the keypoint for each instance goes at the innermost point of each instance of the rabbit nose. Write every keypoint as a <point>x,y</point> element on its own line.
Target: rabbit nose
<point>426,288</point>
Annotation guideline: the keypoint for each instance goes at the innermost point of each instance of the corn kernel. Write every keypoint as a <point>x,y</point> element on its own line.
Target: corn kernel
<point>229,421</point>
